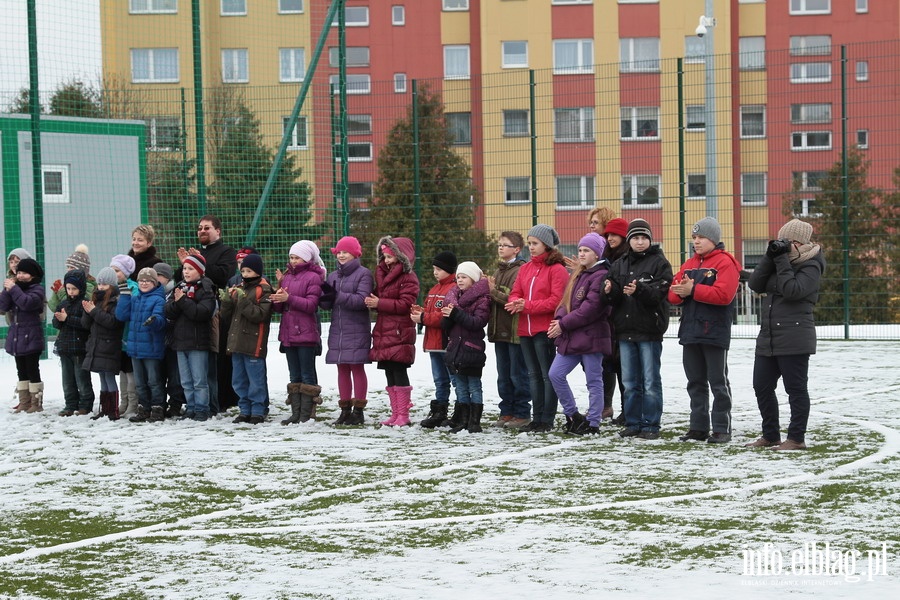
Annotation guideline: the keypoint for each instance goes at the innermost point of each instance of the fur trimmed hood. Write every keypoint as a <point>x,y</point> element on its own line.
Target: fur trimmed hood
<point>402,248</point>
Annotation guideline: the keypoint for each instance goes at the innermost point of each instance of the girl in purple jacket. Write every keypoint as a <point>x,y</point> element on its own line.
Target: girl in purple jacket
<point>23,300</point>
<point>583,336</point>
<point>297,300</point>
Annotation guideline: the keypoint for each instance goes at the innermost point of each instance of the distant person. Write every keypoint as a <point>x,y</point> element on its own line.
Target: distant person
<point>103,354</point>
<point>79,260</point>
<point>142,250</point>
<point>123,265</point>
<point>22,299</point>
<point>70,346</point>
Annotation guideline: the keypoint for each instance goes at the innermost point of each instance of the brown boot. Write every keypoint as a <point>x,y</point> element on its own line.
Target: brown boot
<point>293,394</point>
<point>37,397</point>
<point>24,397</point>
<point>309,400</point>
<point>357,417</point>
<point>346,406</point>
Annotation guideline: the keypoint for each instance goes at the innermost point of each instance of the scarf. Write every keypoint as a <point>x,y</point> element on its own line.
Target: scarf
<point>804,252</point>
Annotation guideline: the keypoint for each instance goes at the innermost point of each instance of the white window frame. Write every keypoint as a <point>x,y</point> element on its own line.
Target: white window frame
<point>153,7</point>
<point>694,108</point>
<point>754,250</point>
<point>861,70</point>
<point>399,83</point>
<point>699,180</point>
<point>447,117</point>
<point>398,15</point>
<point>582,117</point>
<point>354,16</point>
<point>627,61</point>
<point>862,139</point>
<point>233,13</point>
<point>806,45</point>
<point>805,205</point>
<point>754,177</point>
<point>300,126</point>
<point>454,5</point>
<point>362,56</point>
<point>632,182</point>
<point>862,6</point>
<point>153,66</point>
<point>513,60</point>
<point>635,116</point>
<point>803,138</point>
<point>801,7</point>
<point>803,178</point>
<point>287,63</point>
<point>806,113</point>
<point>153,141</point>
<point>234,59</point>
<point>564,2</point>
<point>753,109</point>
<point>454,48</point>
<point>64,197</point>
<point>361,200</point>
<point>357,83</point>
<point>507,191</point>
<point>586,194</point>
<point>752,57</point>
<point>694,50</point>
<point>584,56</point>
<point>365,124</point>
<point>800,73</point>
<point>290,11</point>
<point>512,117</point>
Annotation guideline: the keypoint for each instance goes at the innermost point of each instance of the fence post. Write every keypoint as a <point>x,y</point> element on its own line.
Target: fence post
<point>417,183</point>
<point>681,209</point>
<point>531,101</point>
<point>34,100</point>
<point>845,194</point>
<point>199,117</point>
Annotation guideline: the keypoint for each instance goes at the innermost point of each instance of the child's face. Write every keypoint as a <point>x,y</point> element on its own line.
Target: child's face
<point>614,240</point>
<point>119,274</point>
<point>439,273</point>
<point>103,286</point>
<point>702,245</point>
<point>343,257</point>
<point>464,282</point>
<point>506,250</point>
<point>586,256</point>
<point>295,260</point>
<point>23,276</point>
<point>248,273</point>
<point>535,246</point>
<point>145,285</point>
<point>639,243</point>
<point>189,273</point>
<point>13,262</point>
<point>72,290</point>
<point>390,259</point>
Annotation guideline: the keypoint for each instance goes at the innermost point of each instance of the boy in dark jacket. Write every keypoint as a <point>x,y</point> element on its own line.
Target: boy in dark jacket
<point>70,346</point>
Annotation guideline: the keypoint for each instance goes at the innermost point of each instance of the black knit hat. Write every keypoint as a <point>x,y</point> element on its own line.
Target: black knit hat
<point>30,266</point>
<point>254,263</point>
<point>77,278</point>
<point>639,227</point>
<point>445,261</point>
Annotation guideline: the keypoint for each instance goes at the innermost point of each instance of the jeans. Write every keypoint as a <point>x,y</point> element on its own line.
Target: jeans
<point>512,381</point>
<point>443,379</point>
<point>108,382</point>
<point>77,387</point>
<point>538,352</point>
<point>564,364</point>
<point>643,384</point>
<point>301,362</point>
<point>706,368</point>
<point>148,379</point>
<point>193,367</point>
<point>794,371</point>
<point>248,378</point>
<point>468,389</point>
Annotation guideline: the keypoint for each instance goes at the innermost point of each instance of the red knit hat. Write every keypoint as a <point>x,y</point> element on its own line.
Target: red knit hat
<point>617,226</point>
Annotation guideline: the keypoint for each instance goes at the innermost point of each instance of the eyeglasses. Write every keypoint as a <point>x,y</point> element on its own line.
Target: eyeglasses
<point>595,222</point>
<point>206,228</point>
<point>506,246</point>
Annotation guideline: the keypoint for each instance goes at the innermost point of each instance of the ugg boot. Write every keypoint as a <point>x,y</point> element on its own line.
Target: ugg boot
<point>309,400</point>
<point>37,397</point>
<point>474,424</point>
<point>24,397</point>
<point>392,394</point>
<point>143,413</point>
<point>346,406</point>
<point>437,415</point>
<point>293,400</point>
<point>157,414</point>
<point>357,417</point>
<point>454,419</point>
<point>462,413</point>
<point>404,403</point>
<point>104,402</point>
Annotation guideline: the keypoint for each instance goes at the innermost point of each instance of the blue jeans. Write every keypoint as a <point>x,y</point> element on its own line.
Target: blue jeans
<point>512,381</point>
<point>468,389</point>
<point>443,378</point>
<point>301,362</point>
<point>148,379</point>
<point>643,384</point>
<point>248,378</point>
<point>78,390</point>
<point>539,352</point>
<point>564,364</point>
<point>193,367</point>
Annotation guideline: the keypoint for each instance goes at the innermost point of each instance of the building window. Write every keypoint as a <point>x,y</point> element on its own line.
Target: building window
<point>640,191</point>
<point>515,54</point>
<point>574,124</point>
<point>398,15</point>
<point>752,53</point>
<point>754,250</point>
<point>138,7</point>
<point>292,64</point>
<point>809,180</point>
<point>811,113</point>
<point>298,135</point>
<point>862,70</point>
<point>753,189</point>
<point>360,194</point>
<point>573,56</point>
<point>359,124</point>
<point>163,134</point>
<point>574,192</point>
<point>638,54</point>
<point>456,4</point>
<point>357,83</point>
<point>862,138</point>
<point>515,123</point>
<point>810,7</point>
<point>818,72</point>
<point>355,56</point>
<point>290,6</point>
<point>234,8</point>
<point>154,65</point>
<point>518,190</point>
<point>456,62</point>
<point>862,6</point>
<point>806,207</point>
<point>356,152</point>
<point>810,45</point>
<point>695,115</point>
<point>400,83</point>
<point>639,122</point>
<point>696,186</point>
<point>235,65</point>
<point>753,121</point>
<point>354,16</point>
<point>811,140</point>
<point>56,184</point>
<point>460,126</point>
<point>694,50</point>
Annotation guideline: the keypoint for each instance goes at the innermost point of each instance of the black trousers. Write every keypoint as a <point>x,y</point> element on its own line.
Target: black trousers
<point>794,371</point>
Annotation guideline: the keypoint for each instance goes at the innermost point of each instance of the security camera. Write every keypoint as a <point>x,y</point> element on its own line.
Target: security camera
<point>701,30</point>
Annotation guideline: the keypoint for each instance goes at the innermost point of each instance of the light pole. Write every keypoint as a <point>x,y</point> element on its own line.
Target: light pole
<point>705,28</point>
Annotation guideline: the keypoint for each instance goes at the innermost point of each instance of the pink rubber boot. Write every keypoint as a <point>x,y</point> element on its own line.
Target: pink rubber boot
<point>392,394</point>
<point>404,403</point>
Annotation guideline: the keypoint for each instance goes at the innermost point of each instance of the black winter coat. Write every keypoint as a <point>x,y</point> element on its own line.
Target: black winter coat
<point>221,263</point>
<point>73,335</point>
<point>791,291</point>
<point>104,346</point>
<point>644,315</point>
<point>190,318</point>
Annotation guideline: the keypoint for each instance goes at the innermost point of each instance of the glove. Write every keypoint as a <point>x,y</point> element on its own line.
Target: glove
<point>57,285</point>
<point>238,293</point>
<point>777,247</point>
<point>223,295</point>
<point>326,288</point>
<point>124,290</point>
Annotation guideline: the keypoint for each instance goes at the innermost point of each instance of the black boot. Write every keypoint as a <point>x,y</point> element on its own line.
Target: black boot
<point>346,406</point>
<point>453,421</point>
<point>309,400</point>
<point>574,422</point>
<point>437,415</point>
<point>462,411</point>
<point>143,413</point>
<point>474,424</point>
<point>295,413</point>
<point>174,409</point>
<point>357,417</point>
<point>157,414</point>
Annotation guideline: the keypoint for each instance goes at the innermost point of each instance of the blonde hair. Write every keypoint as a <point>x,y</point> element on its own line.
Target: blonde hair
<point>146,231</point>
<point>566,301</point>
<point>603,214</point>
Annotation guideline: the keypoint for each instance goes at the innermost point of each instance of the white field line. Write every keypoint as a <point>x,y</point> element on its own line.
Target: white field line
<point>160,530</point>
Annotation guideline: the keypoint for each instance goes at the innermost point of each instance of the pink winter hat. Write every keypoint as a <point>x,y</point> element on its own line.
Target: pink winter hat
<point>348,244</point>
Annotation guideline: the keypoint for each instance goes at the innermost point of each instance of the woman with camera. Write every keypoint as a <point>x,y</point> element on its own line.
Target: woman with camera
<point>788,279</point>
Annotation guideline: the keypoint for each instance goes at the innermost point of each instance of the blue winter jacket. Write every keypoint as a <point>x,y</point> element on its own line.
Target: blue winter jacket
<point>144,339</point>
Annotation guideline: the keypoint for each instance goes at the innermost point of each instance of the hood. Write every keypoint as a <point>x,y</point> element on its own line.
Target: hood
<point>402,247</point>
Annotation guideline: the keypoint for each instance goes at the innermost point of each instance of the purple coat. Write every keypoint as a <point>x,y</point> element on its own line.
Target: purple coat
<point>24,307</point>
<point>465,343</point>
<point>350,334</point>
<point>299,326</point>
<point>585,328</point>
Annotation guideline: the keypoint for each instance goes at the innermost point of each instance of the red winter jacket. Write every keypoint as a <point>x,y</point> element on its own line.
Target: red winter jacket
<point>542,287</point>
<point>397,288</point>
<point>435,339</point>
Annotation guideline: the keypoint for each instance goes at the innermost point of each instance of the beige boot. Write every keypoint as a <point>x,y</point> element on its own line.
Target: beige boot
<point>37,397</point>
<point>24,396</point>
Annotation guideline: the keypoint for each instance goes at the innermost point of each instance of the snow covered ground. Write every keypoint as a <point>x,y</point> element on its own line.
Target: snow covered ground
<point>96,509</point>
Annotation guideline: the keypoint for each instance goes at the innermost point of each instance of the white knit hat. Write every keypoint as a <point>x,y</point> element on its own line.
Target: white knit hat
<point>469,269</point>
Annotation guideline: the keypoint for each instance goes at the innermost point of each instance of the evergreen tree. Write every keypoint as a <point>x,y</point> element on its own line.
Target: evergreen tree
<point>75,99</point>
<point>171,202</point>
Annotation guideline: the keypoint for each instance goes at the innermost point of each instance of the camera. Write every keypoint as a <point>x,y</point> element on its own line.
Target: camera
<point>701,30</point>
<point>777,247</point>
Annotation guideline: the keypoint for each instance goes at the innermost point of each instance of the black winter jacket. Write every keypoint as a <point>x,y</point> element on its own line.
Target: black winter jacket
<point>73,335</point>
<point>190,318</point>
<point>104,346</point>
<point>644,315</point>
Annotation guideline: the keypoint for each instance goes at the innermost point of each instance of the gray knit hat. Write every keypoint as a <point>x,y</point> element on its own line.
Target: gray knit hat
<point>22,253</point>
<point>80,259</point>
<point>546,234</point>
<point>639,227</point>
<point>165,270</point>
<point>147,274</point>
<point>796,230</point>
<point>709,228</point>
<point>107,275</point>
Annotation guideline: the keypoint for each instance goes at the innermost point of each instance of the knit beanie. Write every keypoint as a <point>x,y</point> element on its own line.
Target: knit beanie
<point>469,269</point>
<point>254,263</point>
<point>107,276</point>
<point>595,242</point>
<point>796,230</point>
<point>22,253</point>
<point>30,266</point>
<point>147,274</point>
<point>348,244</point>
<point>709,228</point>
<point>445,261</point>
<point>617,226</point>
<point>639,227</point>
<point>198,262</point>
<point>166,270</point>
<point>79,259</point>
<point>124,263</point>
<point>307,250</point>
<point>77,278</point>
<point>243,252</point>
<point>546,234</point>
